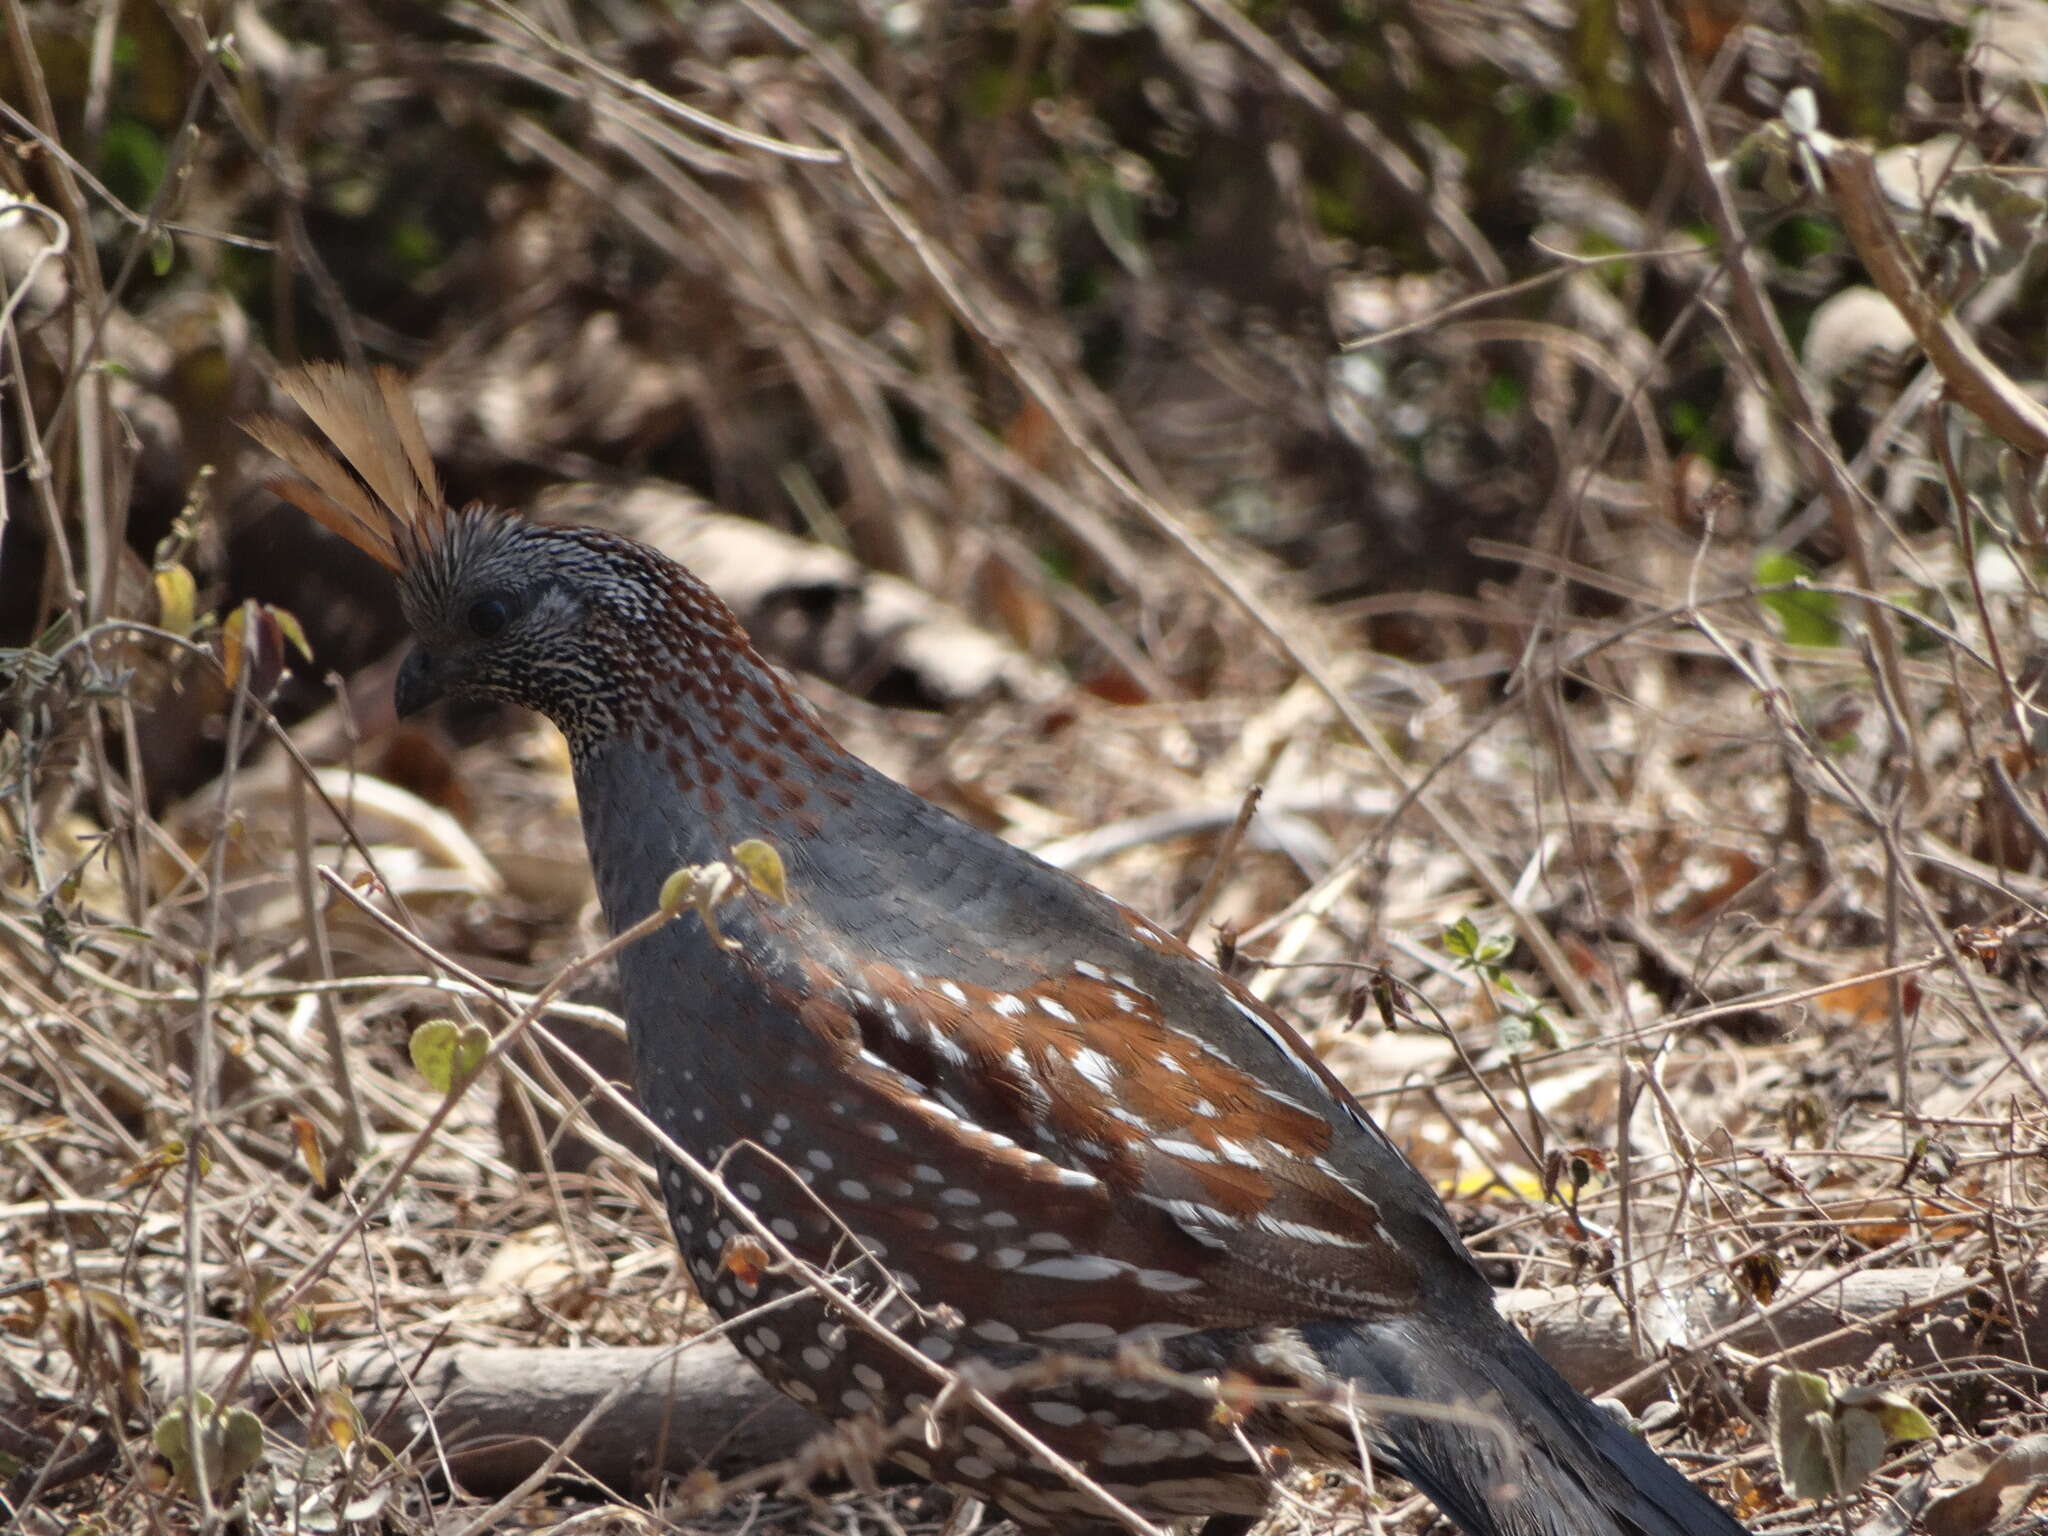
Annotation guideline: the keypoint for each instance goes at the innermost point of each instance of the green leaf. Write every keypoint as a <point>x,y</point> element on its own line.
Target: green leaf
<point>230,1443</point>
<point>132,160</point>
<point>1861,1442</point>
<point>1900,1420</point>
<point>1863,57</point>
<point>1461,939</point>
<point>702,886</point>
<point>415,248</point>
<point>1829,1445</point>
<point>1804,617</point>
<point>241,1443</point>
<point>1802,1432</point>
<point>177,599</point>
<point>447,1054</point>
<point>288,622</point>
<point>171,1435</point>
<point>761,866</point>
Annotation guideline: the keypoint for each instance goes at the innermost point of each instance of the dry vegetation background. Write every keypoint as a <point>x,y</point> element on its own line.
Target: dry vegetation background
<point>1478,424</point>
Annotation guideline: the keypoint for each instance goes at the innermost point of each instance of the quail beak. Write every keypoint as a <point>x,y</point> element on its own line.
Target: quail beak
<point>419,683</point>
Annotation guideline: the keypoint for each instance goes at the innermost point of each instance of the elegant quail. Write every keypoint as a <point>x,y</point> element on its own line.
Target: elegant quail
<point>1024,1126</point>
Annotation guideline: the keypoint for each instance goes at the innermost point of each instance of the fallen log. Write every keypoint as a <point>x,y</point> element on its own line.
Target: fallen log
<point>499,1413</point>
<point>1817,1322</point>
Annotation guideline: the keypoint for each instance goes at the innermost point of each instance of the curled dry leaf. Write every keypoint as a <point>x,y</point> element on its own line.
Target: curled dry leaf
<point>100,1333</point>
<point>307,1135</point>
<point>1760,1275</point>
<point>252,649</point>
<point>1852,330</point>
<point>535,1262</point>
<point>1875,1220</point>
<point>424,855</point>
<point>744,1259</point>
<point>339,1417</point>
<point>2003,1485</point>
<point>700,1492</point>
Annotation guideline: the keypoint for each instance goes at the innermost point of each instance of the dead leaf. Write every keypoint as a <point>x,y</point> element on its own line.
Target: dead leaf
<point>535,1262</point>
<point>308,1138</point>
<point>1868,1001</point>
<point>1875,1220</point>
<point>252,644</point>
<point>2001,1489</point>
<point>744,1259</point>
<point>1697,888</point>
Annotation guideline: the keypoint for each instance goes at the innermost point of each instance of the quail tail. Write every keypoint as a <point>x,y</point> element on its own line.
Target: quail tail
<point>1543,1462</point>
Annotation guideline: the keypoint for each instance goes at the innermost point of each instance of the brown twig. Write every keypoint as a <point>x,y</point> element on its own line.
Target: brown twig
<point>1765,334</point>
<point>1971,378</point>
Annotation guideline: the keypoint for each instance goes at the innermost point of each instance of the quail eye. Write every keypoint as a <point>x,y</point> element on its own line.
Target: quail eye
<point>488,615</point>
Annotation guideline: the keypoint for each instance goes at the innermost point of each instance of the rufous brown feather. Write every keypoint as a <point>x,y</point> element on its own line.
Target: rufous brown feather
<point>381,493</point>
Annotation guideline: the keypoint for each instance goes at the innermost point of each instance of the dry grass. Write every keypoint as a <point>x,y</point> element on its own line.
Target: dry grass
<point>1494,610</point>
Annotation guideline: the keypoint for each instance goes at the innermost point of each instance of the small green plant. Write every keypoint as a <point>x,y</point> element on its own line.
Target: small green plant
<point>1804,616</point>
<point>706,887</point>
<point>448,1054</point>
<point>229,1443</point>
<point>1524,1023</point>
